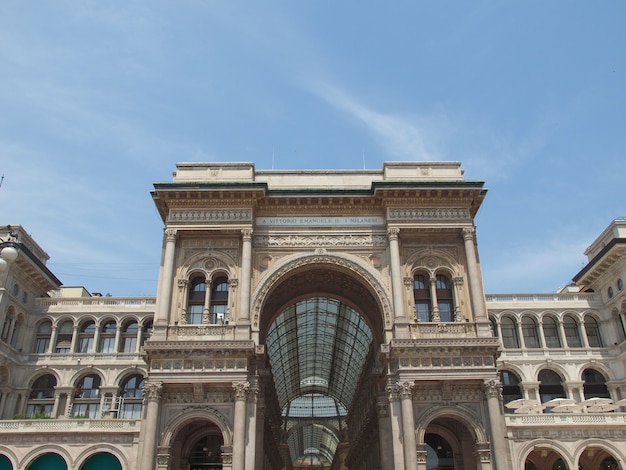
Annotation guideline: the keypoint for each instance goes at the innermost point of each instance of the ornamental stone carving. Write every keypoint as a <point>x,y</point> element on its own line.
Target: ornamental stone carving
<point>220,216</point>
<point>492,388</point>
<point>468,233</point>
<point>265,241</point>
<point>170,234</point>
<point>240,390</point>
<point>436,213</point>
<point>152,391</point>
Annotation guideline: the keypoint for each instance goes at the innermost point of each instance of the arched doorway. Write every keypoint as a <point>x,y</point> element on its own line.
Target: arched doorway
<point>594,457</point>
<point>545,458</point>
<point>48,461</point>
<point>197,445</point>
<point>321,325</point>
<point>100,461</point>
<point>5,463</point>
<point>452,440</point>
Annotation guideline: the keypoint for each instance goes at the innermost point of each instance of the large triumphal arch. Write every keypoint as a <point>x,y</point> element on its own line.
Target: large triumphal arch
<point>312,319</point>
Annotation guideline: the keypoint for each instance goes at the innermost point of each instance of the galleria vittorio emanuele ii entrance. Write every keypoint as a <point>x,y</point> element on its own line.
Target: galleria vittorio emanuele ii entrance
<point>316,320</point>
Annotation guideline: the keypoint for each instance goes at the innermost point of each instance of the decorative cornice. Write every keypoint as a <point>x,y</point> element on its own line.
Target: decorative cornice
<point>433,213</point>
<point>211,216</point>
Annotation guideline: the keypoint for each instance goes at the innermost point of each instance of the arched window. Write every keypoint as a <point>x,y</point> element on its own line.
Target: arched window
<point>594,384</point>
<point>421,294</point>
<point>195,300</point>
<point>146,330</point>
<point>129,337</point>
<point>572,333</point>
<point>619,326</point>
<point>529,330</point>
<point>42,340</point>
<point>510,338</point>
<point>85,337</point>
<point>444,298</point>
<point>551,332</point>
<point>550,385</point>
<point>131,398</point>
<point>64,337</point>
<point>107,337</point>
<point>510,388</point>
<point>9,322</point>
<point>87,397</point>
<point>593,332</point>
<point>41,398</point>
<point>219,300</point>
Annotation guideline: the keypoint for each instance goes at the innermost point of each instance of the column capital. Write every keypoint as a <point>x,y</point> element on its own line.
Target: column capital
<point>468,233</point>
<point>393,232</point>
<point>240,390</point>
<point>170,234</point>
<point>405,389</point>
<point>153,391</point>
<point>246,234</point>
<point>492,388</point>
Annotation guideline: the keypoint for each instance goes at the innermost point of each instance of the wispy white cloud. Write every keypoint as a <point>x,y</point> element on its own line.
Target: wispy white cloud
<point>398,135</point>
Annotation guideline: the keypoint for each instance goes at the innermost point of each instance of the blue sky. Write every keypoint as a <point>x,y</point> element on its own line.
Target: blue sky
<point>98,100</point>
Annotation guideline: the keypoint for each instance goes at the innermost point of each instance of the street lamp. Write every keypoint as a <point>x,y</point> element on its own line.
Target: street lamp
<point>8,249</point>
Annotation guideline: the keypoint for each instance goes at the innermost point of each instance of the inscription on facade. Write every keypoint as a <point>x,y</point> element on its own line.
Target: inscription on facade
<point>299,221</point>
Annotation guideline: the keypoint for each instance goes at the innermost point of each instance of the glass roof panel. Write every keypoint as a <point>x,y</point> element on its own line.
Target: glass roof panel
<point>317,349</point>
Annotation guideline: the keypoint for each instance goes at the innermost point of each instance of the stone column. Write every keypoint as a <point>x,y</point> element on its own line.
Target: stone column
<point>239,431</point>
<point>575,390</point>
<point>493,392</point>
<point>206,308</point>
<point>385,436</point>
<point>74,339</point>
<point>53,339</point>
<point>118,337</point>
<point>251,446</point>
<point>246,276</point>
<point>474,279</point>
<point>457,284</point>
<point>396,273</point>
<point>260,433</point>
<point>408,426</point>
<point>432,284</point>
<point>152,392</point>
<point>395,420</point>
<point>165,288</point>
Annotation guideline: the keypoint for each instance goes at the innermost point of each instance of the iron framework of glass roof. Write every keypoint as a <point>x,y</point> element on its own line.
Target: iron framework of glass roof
<point>317,348</point>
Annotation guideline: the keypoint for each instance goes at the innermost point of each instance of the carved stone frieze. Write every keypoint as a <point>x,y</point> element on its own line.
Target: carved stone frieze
<point>216,216</point>
<point>319,240</point>
<point>434,213</point>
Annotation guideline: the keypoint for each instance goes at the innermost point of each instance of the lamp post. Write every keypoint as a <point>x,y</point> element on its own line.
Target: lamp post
<point>8,249</point>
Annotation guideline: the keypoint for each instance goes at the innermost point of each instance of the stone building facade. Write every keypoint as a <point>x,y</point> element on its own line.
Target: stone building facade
<point>314,319</point>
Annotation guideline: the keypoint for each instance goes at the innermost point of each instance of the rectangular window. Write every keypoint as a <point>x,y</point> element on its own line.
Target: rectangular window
<point>41,346</point>
<point>130,345</point>
<point>107,345</point>
<point>86,345</point>
<point>422,311</point>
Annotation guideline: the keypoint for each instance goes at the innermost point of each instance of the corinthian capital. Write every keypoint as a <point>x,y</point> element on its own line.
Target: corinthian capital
<point>152,391</point>
<point>246,234</point>
<point>170,234</point>
<point>405,389</point>
<point>468,233</point>
<point>240,390</point>
<point>492,388</point>
<point>392,233</point>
